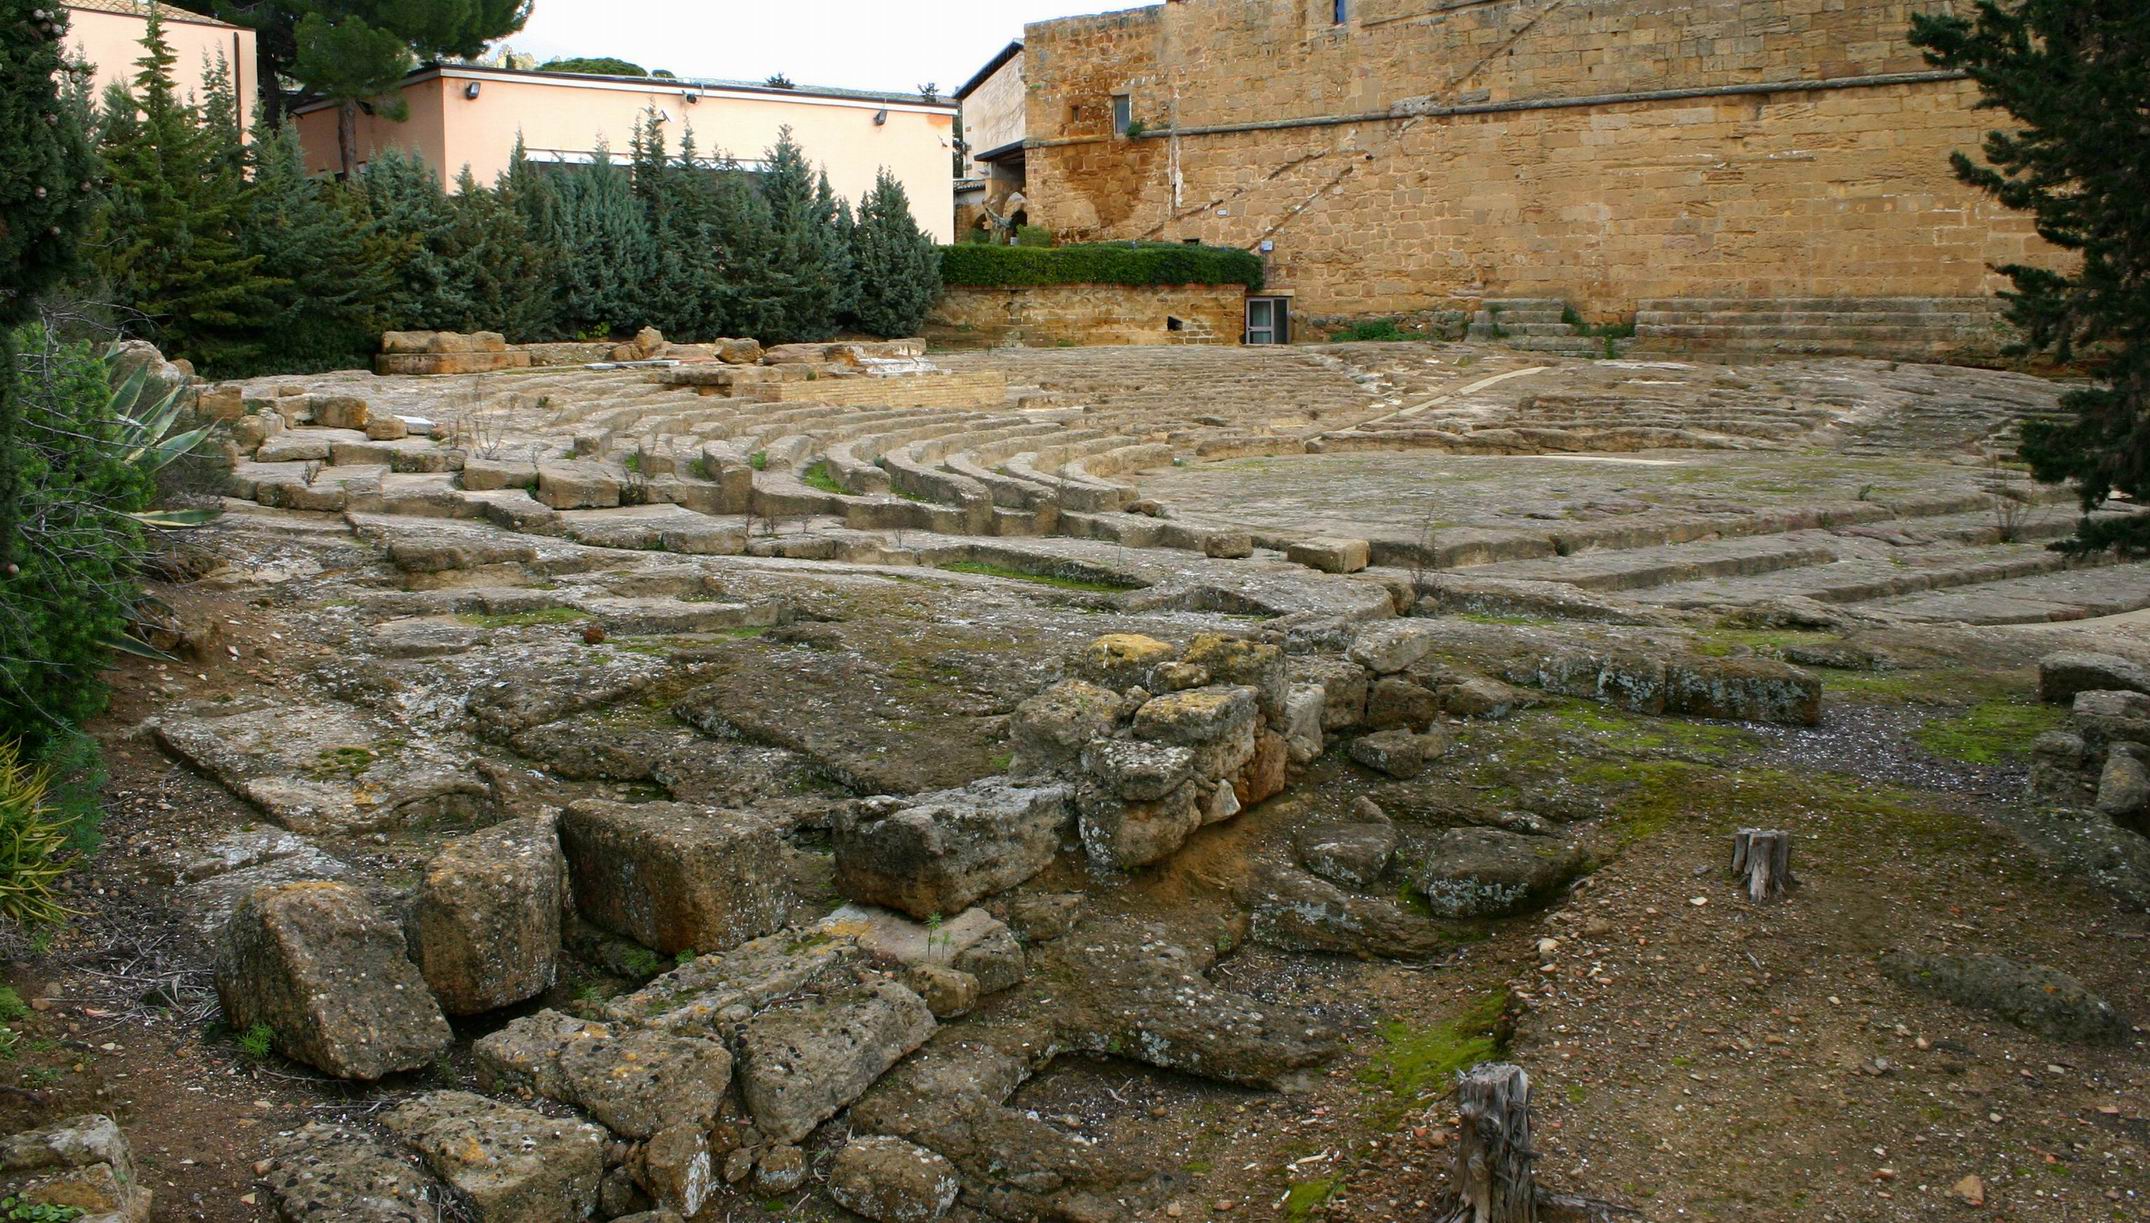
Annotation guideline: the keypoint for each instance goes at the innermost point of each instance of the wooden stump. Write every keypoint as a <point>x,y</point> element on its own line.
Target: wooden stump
<point>1762,858</point>
<point>1492,1172</point>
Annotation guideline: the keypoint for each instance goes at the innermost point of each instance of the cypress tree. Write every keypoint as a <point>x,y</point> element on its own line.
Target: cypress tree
<point>801,279</point>
<point>504,286</point>
<point>46,173</point>
<point>410,207</point>
<point>318,240</point>
<point>167,243</point>
<point>2075,77</point>
<point>606,254</point>
<point>534,198</point>
<point>896,267</point>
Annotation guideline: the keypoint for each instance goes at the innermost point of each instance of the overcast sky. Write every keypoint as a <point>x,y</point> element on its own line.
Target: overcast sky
<point>853,44</point>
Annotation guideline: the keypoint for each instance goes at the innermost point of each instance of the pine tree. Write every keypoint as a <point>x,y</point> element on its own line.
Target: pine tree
<point>412,210</point>
<point>896,267</point>
<point>46,187</point>
<point>803,266</point>
<point>741,237</point>
<point>2075,77</point>
<point>166,244</point>
<point>317,239</point>
<point>843,232</point>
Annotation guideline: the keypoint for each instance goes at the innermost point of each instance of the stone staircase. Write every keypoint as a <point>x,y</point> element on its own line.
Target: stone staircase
<point>1964,329</point>
<point>1538,324</point>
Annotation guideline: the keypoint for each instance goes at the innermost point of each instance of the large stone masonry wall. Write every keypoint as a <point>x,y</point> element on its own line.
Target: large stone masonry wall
<point>1427,154</point>
<point>1045,315</point>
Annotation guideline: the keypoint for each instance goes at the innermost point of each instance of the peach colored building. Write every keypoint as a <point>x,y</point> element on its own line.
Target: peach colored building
<point>464,115</point>
<point>107,34</point>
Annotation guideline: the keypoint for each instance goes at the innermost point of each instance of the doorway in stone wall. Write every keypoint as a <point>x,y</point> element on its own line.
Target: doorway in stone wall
<point>1268,320</point>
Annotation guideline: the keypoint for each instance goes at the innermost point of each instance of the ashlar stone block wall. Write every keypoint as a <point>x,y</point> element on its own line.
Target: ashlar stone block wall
<point>1433,152</point>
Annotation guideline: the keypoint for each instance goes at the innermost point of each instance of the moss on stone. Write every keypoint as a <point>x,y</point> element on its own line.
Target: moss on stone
<point>1417,1064</point>
<point>1990,732</point>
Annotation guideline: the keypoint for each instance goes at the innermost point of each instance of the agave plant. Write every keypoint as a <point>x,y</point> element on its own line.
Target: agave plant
<point>33,843</point>
<point>149,431</point>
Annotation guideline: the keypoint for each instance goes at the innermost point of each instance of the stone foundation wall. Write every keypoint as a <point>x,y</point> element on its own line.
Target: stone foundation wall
<point>966,389</point>
<point>1430,155</point>
<point>1046,315</point>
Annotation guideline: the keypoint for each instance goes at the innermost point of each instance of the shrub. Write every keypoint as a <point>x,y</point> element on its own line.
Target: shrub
<point>1116,263</point>
<point>33,843</point>
<point>1371,329</point>
<point>78,549</point>
<point>896,266</point>
<point>1033,235</point>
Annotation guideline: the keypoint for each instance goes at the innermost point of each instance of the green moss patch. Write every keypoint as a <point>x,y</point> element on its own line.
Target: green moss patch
<point>1308,1196</point>
<point>817,476</point>
<point>1990,732</point>
<point>1062,581</point>
<point>1417,1064</point>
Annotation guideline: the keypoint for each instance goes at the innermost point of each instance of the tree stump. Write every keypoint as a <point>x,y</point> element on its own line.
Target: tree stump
<point>1492,1171</point>
<point>1762,858</point>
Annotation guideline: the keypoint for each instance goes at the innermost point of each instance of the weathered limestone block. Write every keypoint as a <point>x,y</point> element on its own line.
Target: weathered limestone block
<point>889,1180</point>
<point>1137,770</point>
<point>1119,661</point>
<point>737,352</point>
<point>1356,854</point>
<point>83,1163</point>
<point>1052,728</point>
<point>950,993</point>
<point>1400,753</point>
<point>224,402</point>
<point>1264,775</point>
<point>2032,996</point>
<point>677,1167</point>
<point>635,1082</point>
<point>577,486</point>
<point>485,923</point>
<point>1746,689</point>
<point>1480,697</point>
<point>2104,718</point>
<point>714,994</point>
<point>1627,679</point>
<point>802,1061</point>
<point>1216,723</point>
<point>387,428</point>
<point>1390,646</point>
<point>1345,687</point>
<point>512,1164</point>
<point>1119,833</point>
<point>1296,911</point>
<point>250,431</point>
<point>2062,675</point>
<point>674,876</point>
<point>1253,664</point>
<point>491,475</point>
<point>339,411</point>
<point>1490,872</point>
<point>1330,555</point>
<point>329,1170</point>
<point>1302,723</point>
<point>330,977</point>
<point>940,852</point>
<point>2124,784</point>
<point>973,942</point>
<point>1396,701</point>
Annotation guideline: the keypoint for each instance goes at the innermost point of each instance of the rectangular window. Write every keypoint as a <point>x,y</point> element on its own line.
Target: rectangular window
<point>1339,11</point>
<point>1123,113</point>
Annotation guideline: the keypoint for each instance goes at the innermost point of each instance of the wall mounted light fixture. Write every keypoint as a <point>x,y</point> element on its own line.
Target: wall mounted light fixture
<point>880,117</point>
<point>471,91</point>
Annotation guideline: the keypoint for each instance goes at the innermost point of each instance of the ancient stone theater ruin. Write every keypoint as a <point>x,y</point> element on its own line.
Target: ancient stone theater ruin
<point>1531,768</point>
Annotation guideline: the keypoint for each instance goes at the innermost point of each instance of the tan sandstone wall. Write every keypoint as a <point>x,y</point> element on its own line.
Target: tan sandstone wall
<point>1427,154</point>
<point>1087,314</point>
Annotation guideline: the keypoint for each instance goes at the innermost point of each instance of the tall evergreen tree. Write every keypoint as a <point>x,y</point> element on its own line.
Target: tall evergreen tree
<point>603,242</point>
<point>803,262</point>
<point>46,172</point>
<point>741,235</point>
<point>2075,77</point>
<point>534,197</point>
<point>166,244</point>
<point>318,240</point>
<point>430,290</point>
<point>498,264</point>
<point>896,267</point>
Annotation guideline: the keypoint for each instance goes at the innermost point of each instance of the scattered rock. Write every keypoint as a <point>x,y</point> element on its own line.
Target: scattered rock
<point>2032,996</point>
<point>634,1082</point>
<point>513,1165</point>
<point>485,925</point>
<point>1399,753</point>
<point>82,1162</point>
<point>1491,872</point>
<point>2062,675</point>
<point>676,876</point>
<point>941,852</point>
<point>330,978</point>
<point>889,1180</point>
<point>801,1061</point>
<point>331,1170</point>
<point>779,1171</point>
<point>1356,855</point>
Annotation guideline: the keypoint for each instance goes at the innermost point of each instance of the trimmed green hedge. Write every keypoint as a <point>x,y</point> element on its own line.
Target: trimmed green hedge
<point>1102,263</point>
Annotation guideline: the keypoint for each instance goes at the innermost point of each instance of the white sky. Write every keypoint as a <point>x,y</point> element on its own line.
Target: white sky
<point>894,45</point>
